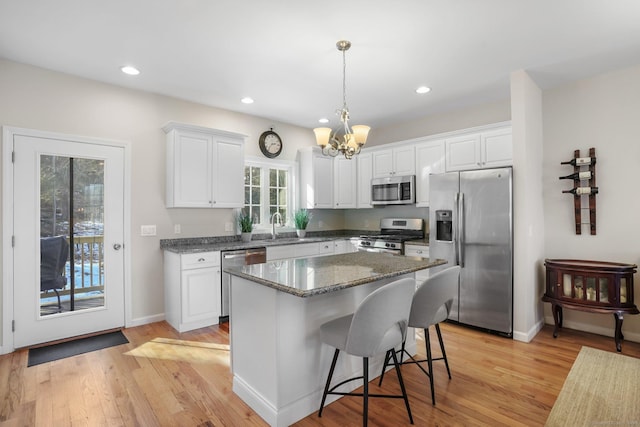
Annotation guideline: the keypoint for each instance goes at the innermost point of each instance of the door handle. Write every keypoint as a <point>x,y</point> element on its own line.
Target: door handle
<point>117,246</point>
<point>461,229</point>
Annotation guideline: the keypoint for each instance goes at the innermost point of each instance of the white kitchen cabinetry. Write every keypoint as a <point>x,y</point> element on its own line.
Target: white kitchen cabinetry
<point>429,159</point>
<point>326,248</point>
<point>302,250</point>
<point>364,175</point>
<point>497,148</point>
<point>421,251</point>
<point>192,289</point>
<point>398,161</point>
<point>316,179</point>
<point>492,148</point>
<point>345,182</point>
<point>344,246</point>
<point>205,167</point>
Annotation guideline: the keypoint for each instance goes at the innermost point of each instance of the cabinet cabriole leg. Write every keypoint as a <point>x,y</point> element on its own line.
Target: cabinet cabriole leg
<point>557,319</point>
<point>618,336</point>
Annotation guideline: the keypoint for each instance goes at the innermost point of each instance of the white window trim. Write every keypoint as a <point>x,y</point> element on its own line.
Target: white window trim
<point>292,186</point>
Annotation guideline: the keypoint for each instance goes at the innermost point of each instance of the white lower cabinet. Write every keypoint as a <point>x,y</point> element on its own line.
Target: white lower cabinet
<point>303,250</point>
<point>307,250</point>
<point>421,251</point>
<point>192,289</point>
<point>344,246</point>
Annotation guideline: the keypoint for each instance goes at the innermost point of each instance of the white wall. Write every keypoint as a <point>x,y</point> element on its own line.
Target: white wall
<point>601,112</point>
<point>528,223</point>
<point>477,115</point>
<point>35,98</point>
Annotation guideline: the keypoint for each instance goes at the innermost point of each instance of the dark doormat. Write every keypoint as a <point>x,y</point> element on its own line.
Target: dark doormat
<point>71,348</point>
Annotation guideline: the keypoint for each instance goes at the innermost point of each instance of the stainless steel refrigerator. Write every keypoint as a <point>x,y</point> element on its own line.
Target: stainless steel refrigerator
<point>471,225</point>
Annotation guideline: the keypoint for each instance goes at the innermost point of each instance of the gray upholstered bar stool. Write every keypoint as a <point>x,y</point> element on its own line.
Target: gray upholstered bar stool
<point>379,324</point>
<point>431,305</point>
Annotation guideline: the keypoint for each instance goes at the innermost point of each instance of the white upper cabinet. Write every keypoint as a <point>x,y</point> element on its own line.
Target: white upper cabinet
<point>205,167</point>
<point>316,179</point>
<point>486,149</point>
<point>345,182</point>
<point>365,173</point>
<point>396,161</point>
<point>429,160</point>
<point>497,148</point>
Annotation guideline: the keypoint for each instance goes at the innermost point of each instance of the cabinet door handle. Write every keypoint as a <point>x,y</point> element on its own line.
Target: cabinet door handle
<point>200,259</point>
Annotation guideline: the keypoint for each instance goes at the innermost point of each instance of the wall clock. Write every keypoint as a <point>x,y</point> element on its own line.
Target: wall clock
<point>270,144</point>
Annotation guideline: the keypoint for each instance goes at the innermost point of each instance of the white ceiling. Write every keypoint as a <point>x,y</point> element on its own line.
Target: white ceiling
<point>282,52</point>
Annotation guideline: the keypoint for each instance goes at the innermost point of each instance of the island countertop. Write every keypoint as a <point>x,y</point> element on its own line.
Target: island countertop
<point>306,277</point>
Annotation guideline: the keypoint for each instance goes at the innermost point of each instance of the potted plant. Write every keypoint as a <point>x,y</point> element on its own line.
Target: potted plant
<point>301,219</point>
<point>246,225</point>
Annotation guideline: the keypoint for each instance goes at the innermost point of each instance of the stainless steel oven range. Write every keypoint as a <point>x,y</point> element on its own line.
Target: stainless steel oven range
<point>393,233</point>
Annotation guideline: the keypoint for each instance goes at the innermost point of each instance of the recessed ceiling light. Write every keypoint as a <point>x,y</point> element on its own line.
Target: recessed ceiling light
<point>324,120</point>
<point>247,100</point>
<point>128,69</point>
<point>423,89</point>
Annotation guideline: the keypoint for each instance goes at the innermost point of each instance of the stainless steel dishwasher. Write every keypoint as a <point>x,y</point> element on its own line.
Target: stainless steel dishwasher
<point>237,258</point>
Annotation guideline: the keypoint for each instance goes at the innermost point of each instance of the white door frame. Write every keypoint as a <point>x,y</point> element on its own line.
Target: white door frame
<point>8,134</point>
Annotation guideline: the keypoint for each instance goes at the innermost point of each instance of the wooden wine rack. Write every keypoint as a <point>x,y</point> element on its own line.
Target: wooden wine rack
<point>577,199</point>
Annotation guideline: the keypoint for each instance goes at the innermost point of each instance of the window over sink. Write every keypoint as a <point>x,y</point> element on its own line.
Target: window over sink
<point>268,188</point>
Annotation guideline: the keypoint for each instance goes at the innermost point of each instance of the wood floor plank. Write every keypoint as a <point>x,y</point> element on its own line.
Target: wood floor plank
<point>496,381</point>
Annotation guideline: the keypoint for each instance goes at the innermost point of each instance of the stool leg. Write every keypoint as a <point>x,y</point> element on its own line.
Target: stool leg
<point>384,366</point>
<point>427,343</point>
<point>444,354</point>
<point>365,393</point>
<point>326,387</point>
<point>401,381</point>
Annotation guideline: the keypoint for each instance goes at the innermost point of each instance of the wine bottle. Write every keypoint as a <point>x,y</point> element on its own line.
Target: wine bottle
<point>579,191</point>
<point>580,161</point>
<point>578,176</point>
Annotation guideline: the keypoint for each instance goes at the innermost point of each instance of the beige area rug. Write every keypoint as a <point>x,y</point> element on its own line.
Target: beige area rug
<point>602,389</point>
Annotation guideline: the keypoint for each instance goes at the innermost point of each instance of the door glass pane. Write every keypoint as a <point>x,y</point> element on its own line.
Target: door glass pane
<point>71,234</point>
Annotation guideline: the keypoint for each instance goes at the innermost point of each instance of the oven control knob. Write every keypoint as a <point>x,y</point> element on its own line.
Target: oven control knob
<point>388,245</point>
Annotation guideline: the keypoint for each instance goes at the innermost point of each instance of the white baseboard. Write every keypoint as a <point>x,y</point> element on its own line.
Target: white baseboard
<point>594,329</point>
<point>145,320</point>
<point>528,336</point>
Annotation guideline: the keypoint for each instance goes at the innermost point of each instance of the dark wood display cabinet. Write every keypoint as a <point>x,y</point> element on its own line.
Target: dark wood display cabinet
<point>592,286</point>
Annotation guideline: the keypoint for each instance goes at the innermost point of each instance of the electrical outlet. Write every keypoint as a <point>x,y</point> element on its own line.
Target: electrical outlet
<point>148,230</point>
<point>177,229</point>
<point>228,226</point>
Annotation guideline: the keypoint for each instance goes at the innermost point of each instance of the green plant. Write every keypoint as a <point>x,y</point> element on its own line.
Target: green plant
<point>301,218</point>
<point>245,221</point>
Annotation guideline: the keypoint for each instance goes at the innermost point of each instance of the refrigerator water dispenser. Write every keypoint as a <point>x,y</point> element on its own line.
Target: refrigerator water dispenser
<point>444,226</point>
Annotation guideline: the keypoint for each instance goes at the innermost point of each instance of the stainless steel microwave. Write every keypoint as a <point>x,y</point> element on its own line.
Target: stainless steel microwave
<point>394,190</point>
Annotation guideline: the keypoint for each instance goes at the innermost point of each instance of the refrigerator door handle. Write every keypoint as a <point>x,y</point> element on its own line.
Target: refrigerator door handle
<point>461,231</point>
<point>456,229</point>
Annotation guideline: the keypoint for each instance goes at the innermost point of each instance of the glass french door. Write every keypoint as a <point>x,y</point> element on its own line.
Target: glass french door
<point>68,221</point>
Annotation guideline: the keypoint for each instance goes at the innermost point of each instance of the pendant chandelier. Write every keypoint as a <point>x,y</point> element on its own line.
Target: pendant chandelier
<point>344,139</point>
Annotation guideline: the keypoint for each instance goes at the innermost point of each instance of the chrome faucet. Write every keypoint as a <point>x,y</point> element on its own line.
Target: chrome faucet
<point>273,223</point>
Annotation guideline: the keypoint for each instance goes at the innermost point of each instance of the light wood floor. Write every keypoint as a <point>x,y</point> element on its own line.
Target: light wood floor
<point>168,382</point>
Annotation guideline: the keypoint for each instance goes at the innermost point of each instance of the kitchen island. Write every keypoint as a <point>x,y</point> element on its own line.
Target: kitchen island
<point>278,361</point>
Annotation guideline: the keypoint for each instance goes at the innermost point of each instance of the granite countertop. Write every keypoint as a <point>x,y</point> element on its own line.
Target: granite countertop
<point>230,243</point>
<point>305,277</point>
